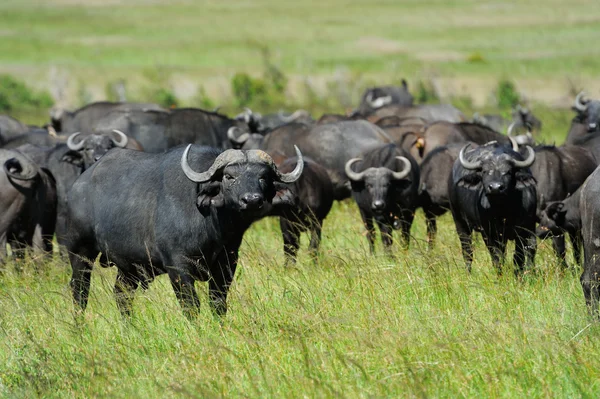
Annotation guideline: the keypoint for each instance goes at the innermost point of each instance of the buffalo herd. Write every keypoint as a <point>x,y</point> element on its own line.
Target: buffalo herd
<point>172,191</point>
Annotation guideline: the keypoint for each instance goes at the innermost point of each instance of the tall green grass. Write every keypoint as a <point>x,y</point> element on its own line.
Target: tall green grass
<point>354,325</point>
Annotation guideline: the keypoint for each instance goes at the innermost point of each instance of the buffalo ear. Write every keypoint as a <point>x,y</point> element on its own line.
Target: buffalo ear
<point>472,181</point>
<point>209,195</point>
<point>72,157</point>
<point>284,195</point>
<point>524,180</point>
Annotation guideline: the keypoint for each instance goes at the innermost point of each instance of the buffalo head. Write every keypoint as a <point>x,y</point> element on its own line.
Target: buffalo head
<point>244,140</point>
<point>588,112</point>
<point>242,180</point>
<point>378,182</point>
<point>495,169</point>
<point>86,150</point>
<point>522,116</point>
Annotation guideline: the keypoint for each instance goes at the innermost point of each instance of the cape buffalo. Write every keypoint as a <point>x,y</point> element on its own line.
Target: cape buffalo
<point>89,148</point>
<point>10,127</point>
<point>27,204</point>
<point>559,171</point>
<point>330,145</point>
<point>385,188</point>
<point>377,97</point>
<point>183,212</point>
<point>84,118</point>
<point>492,191</point>
<point>429,112</point>
<point>561,217</point>
<point>522,118</point>
<point>589,206</point>
<point>158,131</point>
<point>314,197</point>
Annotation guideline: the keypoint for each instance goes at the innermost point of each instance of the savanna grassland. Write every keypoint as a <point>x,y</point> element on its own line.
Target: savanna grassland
<point>353,325</point>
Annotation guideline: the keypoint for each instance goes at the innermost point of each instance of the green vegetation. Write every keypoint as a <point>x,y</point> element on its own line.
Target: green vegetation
<point>352,326</point>
<point>15,94</point>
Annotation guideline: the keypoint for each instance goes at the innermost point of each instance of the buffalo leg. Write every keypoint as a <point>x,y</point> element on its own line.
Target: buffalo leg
<point>386,235</point>
<point>431,228</point>
<point>525,249</point>
<point>368,222</point>
<point>577,242</point>
<point>406,223</point>
<point>590,283</point>
<point>221,278</point>
<point>80,280</point>
<point>315,238</point>
<point>291,238</point>
<point>183,285</point>
<point>125,287</point>
<point>558,242</point>
<point>496,246</point>
<point>464,235</point>
<point>3,249</point>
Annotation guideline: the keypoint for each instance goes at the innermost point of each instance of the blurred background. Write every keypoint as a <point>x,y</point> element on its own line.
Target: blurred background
<point>274,55</point>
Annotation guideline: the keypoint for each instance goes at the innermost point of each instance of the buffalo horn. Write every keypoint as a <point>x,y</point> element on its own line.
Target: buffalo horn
<point>509,131</point>
<point>71,142</point>
<point>466,164</point>
<point>297,114</point>
<point>527,162</point>
<point>28,172</point>
<point>579,102</point>
<point>405,171</point>
<point>514,144</point>
<point>124,139</point>
<point>224,158</point>
<point>352,175</point>
<point>381,101</point>
<point>294,174</point>
<point>231,135</point>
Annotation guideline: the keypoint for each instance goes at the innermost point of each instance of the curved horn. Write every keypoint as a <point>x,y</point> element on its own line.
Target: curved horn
<point>578,102</point>
<point>513,143</point>
<point>124,139</point>
<point>405,171</point>
<point>352,175</point>
<point>527,162</point>
<point>297,114</point>
<point>224,158</point>
<point>381,101</point>
<point>510,129</point>
<point>466,164</point>
<point>24,164</point>
<point>237,140</point>
<point>71,142</point>
<point>294,174</point>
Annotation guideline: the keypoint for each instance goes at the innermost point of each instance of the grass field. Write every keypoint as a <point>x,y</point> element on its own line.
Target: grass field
<point>355,325</point>
<point>545,45</point>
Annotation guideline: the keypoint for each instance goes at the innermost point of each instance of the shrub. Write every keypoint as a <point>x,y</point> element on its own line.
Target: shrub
<point>14,95</point>
<point>248,90</point>
<point>507,95</point>
<point>165,98</point>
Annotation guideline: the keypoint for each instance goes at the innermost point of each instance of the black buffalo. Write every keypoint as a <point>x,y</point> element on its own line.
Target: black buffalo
<point>589,207</point>
<point>158,131</point>
<point>87,149</point>
<point>522,118</point>
<point>385,188</point>
<point>27,204</point>
<point>559,172</point>
<point>493,191</point>
<point>377,97</point>
<point>84,118</point>
<point>9,128</point>
<point>183,212</point>
<point>330,145</point>
<point>563,217</point>
<point>434,195</point>
<point>314,196</point>
<point>35,136</point>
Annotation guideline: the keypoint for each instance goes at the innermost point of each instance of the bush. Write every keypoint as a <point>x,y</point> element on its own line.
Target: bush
<point>507,95</point>
<point>426,93</point>
<point>248,90</point>
<point>165,98</point>
<point>14,95</point>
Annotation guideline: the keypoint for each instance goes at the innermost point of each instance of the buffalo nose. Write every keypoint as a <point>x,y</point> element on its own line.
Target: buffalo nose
<point>378,205</point>
<point>495,187</point>
<point>592,126</point>
<point>252,200</point>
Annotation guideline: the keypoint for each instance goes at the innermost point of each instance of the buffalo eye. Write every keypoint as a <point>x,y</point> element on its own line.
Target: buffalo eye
<point>262,181</point>
<point>227,176</point>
